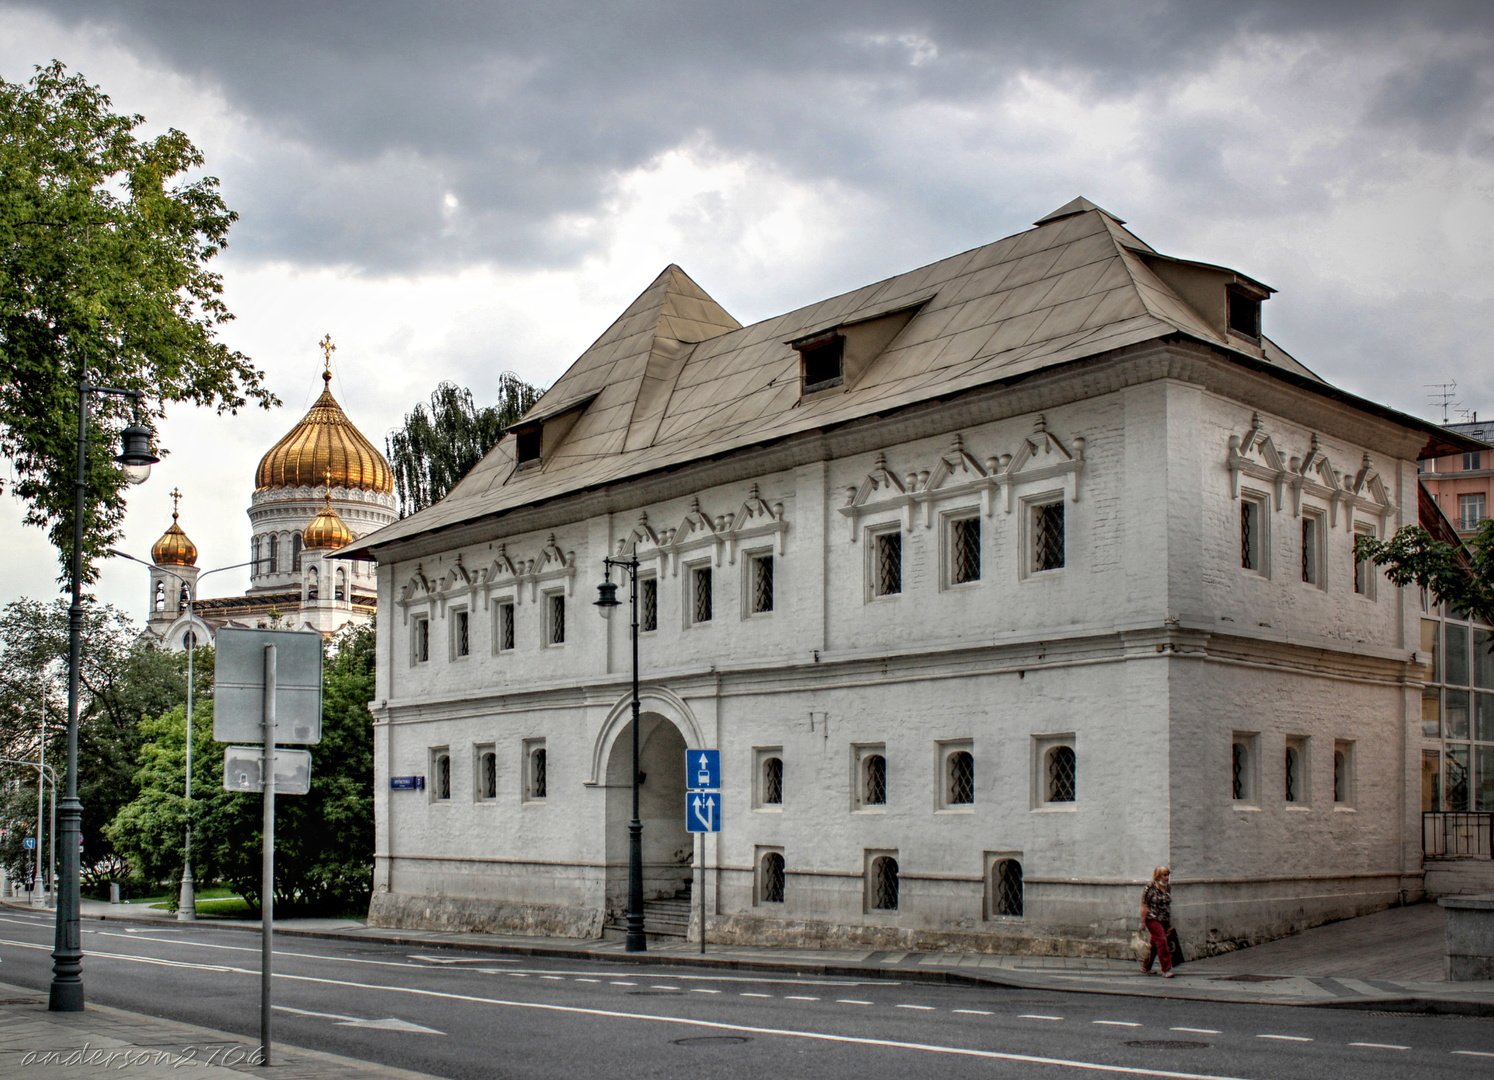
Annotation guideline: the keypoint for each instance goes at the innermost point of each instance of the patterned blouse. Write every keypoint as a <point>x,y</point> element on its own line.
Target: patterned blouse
<point>1158,901</point>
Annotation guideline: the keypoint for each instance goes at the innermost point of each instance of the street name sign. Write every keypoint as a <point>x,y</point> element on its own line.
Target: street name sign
<point>243,768</point>
<point>407,783</point>
<point>239,686</point>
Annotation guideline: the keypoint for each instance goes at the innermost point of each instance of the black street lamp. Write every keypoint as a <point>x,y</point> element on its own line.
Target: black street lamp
<point>67,951</point>
<point>607,600</point>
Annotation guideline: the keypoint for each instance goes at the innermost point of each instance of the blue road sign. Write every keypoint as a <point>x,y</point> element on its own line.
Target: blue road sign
<point>702,811</point>
<point>29,843</point>
<point>703,771</point>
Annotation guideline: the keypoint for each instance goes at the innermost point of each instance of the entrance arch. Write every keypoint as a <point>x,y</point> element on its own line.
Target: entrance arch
<point>667,846</point>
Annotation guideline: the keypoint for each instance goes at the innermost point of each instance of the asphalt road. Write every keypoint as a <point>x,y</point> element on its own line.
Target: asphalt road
<point>459,1014</point>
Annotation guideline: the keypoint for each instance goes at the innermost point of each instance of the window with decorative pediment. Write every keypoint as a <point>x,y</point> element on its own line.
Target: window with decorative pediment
<point>1313,533</point>
<point>1364,570</point>
<point>555,618</point>
<point>885,553</point>
<point>1045,525</point>
<point>461,636</point>
<point>760,583</point>
<point>1253,533</point>
<point>962,549</point>
<point>420,639</point>
<point>503,626</point>
<point>648,603</point>
<point>698,598</point>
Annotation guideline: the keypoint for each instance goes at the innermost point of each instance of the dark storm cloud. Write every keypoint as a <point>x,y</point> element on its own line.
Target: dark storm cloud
<point>368,114</point>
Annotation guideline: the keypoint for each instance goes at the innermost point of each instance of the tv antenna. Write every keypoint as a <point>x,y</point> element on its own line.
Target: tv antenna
<point>1442,394</point>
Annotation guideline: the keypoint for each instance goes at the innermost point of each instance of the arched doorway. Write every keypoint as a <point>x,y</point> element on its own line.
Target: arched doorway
<point>667,847</point>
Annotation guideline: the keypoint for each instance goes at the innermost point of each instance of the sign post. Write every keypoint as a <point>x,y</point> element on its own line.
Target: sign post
<point>702,810</point>
<point>268,686</point>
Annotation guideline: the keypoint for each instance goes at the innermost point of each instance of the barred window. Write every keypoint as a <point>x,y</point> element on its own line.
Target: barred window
<point>700,594</point>
<point>1062,778</point>
<point>883,885</point>
<point>461,641</point>
<point>964,550</point>
<point>874,780</point>
<point>761,584</point>
<point>555,628</point>
<point>1364,570</point>
<point>1343,773</point>
<point>503,630</point>
<point>960,778</point>
<point>1006,887</point>
<point>648,603</point>
<point>441,775</point>
<point>420,640</point>
<point>487,774</point>
<point>1294,768</point>
<point>1239,766</point>
<point>772,781</point>
<point>538,766</point>
<point>1243,767</point>
<point>1252,521</point>
<point>770,878</point>
<point>887,579</point>
<point>1047,537</point>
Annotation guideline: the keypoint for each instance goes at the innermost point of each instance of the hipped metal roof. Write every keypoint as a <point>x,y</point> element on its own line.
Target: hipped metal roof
<point>676,379</point>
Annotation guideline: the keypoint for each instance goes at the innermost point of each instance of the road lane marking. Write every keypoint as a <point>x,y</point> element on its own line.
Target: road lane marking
<point>1198,1031</point>
<point>755,995</point>
<point>619,982</point>
<point>799,997</point>
<point>1286,1038</point>
<point>660,986</point>
<point>788,1033</point>
<point>920,1008</point>
<point>1037,1016</point>
<point>552,978</point>
<point>578,979</point>
<point>703,990</point>
<point>390,1023</point>
<point>1380,1046</point>
<point>1473,1053</point>
<point>975,1012</point>
<point>847,1001</point>
<point>1115,1023</point>
<point>714,1025</point>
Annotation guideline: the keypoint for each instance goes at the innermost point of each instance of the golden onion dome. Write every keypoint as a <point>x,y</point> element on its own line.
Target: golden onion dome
<point>324,446</point>
<point>174,548</point>
<point>327,530</point>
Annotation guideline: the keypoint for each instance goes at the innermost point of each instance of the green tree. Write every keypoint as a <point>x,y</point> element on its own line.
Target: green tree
<point>440,444</point>
<point>104,243</point>
<point>123,680</point>
<point>1460,575</point>
<point>323,840</point>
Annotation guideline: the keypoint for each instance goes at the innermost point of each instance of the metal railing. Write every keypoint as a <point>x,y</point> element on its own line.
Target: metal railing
<point>1449,834</point>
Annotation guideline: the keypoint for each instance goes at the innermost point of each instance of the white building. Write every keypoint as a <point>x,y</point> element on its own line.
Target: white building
<point>319,487</point>
<point>996,583</point>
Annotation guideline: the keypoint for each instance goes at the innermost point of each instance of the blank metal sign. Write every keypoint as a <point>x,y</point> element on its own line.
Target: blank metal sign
<point>239,685</point>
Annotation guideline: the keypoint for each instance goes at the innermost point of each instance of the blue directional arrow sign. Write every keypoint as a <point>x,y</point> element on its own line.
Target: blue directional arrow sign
<point>702,811</point>
<point>703,770</point>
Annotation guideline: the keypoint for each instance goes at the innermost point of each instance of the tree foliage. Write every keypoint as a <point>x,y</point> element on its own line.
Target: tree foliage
<point>439,445</point>
<point>1459,575</point>
<point>123,680</point>
<point>104,241</point>
<point>323,840</point>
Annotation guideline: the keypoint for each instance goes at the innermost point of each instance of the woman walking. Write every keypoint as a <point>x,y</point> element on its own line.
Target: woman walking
<point>1156,916</point>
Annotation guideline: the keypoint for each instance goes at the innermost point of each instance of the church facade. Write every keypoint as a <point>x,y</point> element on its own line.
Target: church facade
<point>317,489</point>
<point>996,584</point>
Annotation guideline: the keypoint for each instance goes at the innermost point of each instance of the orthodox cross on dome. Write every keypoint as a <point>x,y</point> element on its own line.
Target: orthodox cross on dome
<point>327,350</point>
<point>176,498</point>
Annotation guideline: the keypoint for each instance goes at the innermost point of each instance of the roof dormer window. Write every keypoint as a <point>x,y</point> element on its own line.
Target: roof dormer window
<point>820,361</point>
<point>1244,313</point>
<point>527,444</point>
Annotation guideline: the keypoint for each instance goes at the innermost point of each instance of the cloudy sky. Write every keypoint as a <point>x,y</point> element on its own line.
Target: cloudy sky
<point>454,189</point>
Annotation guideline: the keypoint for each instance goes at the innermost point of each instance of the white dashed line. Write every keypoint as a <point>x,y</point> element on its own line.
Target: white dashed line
<point>975,1012</point>
<point>1473,1053</point>
<point>755,995</point>
<point>1198,1031</point>
<point>578,980</point>
<point>851,1001</point>
<point>1037,1016</point>
<point>1115,1023</point>
<point>661,986</point>
<point>696,990</point>
<point>1380,1046</point>
<point>617,983</point>
<point>1286,1038</point>
<point>919,1008</point>
<point>516,974</point>
<point>799,997</point>
<point>552,978</point>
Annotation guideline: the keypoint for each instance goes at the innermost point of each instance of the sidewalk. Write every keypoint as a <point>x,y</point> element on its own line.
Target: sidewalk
<point>1389,961</point>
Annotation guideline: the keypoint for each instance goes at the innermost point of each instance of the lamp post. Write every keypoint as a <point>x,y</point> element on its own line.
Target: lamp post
<point>186,904</point>
<point>67,953</point>
<point>607,600</point>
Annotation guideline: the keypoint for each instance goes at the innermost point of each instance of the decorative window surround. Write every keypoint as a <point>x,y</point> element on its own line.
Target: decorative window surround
<point>755,518</point>
<point>1255,455</point>
<point>550,566</point>
<point>1041,457</point>
<point>643,536</point>
<point>695,533</point>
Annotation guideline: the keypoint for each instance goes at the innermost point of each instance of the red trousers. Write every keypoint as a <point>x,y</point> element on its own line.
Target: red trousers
<point>1159,943</point>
